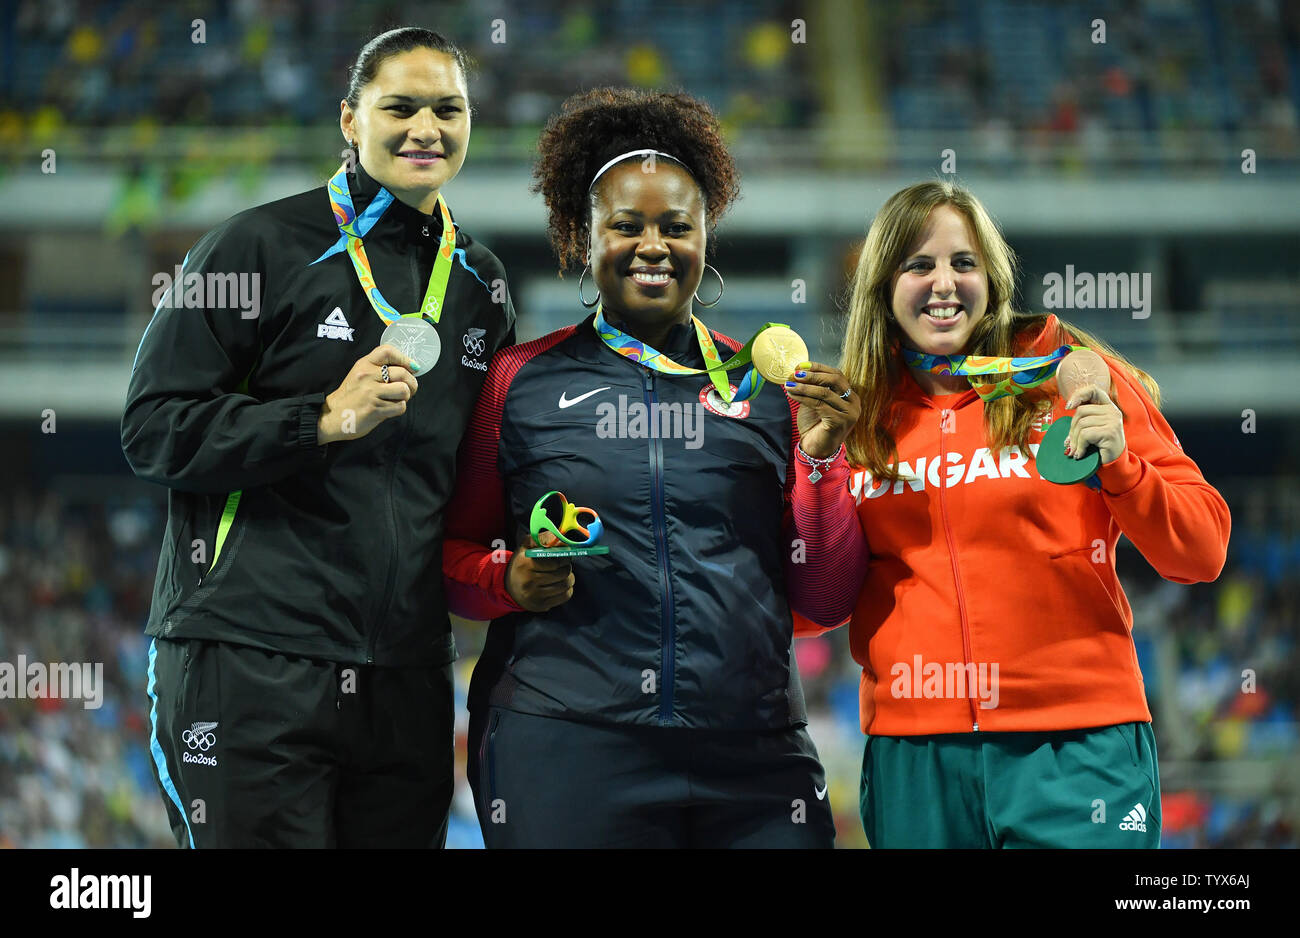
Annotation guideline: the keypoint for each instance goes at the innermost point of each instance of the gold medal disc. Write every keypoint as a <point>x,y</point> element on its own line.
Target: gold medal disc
<point>776,352</point>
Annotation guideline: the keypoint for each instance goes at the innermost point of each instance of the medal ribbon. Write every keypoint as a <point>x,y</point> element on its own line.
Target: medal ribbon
<point>1018,374</point>
<point>354,227</point>
<point>651,358</point>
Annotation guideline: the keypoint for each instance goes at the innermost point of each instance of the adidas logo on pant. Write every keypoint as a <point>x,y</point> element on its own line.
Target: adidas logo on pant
<point>1135,820</point>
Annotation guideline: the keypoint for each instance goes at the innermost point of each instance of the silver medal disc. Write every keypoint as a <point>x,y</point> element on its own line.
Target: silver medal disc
<point>416,339</point>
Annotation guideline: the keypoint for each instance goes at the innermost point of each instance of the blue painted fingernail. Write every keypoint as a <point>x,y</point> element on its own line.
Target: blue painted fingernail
<point>801,374</point>
<point>791,384</point>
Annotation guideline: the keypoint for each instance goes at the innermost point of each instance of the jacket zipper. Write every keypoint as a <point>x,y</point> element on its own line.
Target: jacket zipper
<point>667,628</point>
<point>392,541</point>
<point>414,252</point>
<point>414,255</point>
<point>952,556</point>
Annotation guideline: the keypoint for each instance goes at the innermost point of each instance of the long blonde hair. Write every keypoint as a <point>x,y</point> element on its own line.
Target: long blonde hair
<point>870,358</point>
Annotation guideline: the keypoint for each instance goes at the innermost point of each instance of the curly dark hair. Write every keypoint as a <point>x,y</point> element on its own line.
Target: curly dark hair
<point>595,126</point>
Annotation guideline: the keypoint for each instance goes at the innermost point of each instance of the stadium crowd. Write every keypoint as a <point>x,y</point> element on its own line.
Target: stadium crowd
<point>1012,72</point>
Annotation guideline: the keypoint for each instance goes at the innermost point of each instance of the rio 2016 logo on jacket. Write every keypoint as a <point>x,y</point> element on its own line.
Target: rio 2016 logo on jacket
<point>474,344</point>
<point>199,737</point>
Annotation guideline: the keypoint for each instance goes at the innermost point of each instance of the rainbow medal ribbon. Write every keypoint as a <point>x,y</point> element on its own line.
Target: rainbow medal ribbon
<point>555,515</point>
<point>412,334</point>
<point>716,369</point>
<point>1010,375</point>
<point>1015,376</point>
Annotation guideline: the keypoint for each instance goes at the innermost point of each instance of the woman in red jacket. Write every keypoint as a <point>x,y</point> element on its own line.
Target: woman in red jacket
<point>1000,688</point>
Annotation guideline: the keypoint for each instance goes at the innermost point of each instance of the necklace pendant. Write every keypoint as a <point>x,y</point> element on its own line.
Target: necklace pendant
<point>815,476</point>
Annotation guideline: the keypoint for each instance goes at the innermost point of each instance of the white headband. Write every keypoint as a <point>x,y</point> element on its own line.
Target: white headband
<point>622,156</point>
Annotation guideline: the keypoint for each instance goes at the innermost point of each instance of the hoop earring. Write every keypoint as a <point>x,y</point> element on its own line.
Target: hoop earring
<point>721,289</point>
<point>580,299</point>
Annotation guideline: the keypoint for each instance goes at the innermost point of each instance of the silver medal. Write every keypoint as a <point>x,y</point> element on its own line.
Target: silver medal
<point>416,339</point>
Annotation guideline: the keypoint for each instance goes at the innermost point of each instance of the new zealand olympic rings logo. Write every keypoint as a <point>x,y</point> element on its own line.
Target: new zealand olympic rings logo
<point>474,343</point>
<point>200,736</point>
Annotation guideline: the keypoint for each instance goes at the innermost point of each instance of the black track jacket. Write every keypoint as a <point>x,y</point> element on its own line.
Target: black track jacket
<point>331,552</point>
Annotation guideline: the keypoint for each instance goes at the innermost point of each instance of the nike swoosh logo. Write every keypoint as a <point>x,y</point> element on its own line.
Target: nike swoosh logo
<point>565,402</point>
<point>821,792</point>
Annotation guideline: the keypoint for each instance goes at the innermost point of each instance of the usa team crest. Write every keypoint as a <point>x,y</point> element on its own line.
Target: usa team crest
<point>737,410</point>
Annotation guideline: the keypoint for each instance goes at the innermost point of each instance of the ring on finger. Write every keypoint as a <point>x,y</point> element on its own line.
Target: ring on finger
<point>848,392</point>
<point>383,373</point>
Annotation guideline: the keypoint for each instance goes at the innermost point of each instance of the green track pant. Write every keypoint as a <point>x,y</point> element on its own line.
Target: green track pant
<point>1077,788</point>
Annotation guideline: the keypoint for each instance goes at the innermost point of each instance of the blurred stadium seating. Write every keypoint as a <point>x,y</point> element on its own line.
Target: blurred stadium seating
<point>1125,155</point>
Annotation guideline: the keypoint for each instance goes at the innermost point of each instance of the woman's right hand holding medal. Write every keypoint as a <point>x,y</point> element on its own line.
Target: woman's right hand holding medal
<point>377,388</point>
<point>537,583</point>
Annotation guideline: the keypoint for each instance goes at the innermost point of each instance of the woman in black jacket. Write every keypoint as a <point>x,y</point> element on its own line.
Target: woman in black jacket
<point>647,697</point>
<point>301,390</point>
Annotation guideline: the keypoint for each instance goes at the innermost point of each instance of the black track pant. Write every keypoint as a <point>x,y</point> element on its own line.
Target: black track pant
<point>256,749</point>
<point>546,782</point>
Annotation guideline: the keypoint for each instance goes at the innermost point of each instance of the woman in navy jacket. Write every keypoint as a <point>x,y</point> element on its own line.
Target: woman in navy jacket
<point>647,697</point>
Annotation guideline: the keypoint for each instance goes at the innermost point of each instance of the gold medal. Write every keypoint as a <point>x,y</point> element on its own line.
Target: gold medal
<point>777,352</point>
